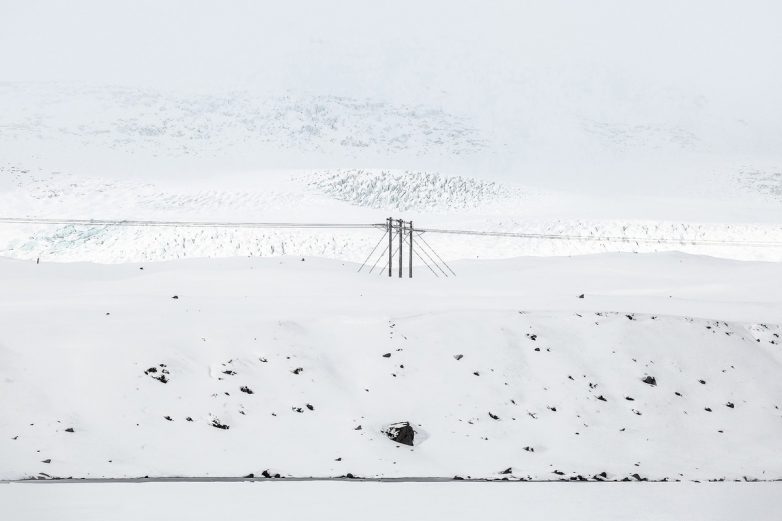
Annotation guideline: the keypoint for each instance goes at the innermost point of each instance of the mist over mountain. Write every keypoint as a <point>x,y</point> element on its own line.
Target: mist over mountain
<point>607,96</point>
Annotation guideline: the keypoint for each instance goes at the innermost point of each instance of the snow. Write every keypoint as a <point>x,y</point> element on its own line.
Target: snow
<point>223,352</point>
<point>431,200</point>
<point>404,191</point>
<point>80,342</point>
<point>390,501</point>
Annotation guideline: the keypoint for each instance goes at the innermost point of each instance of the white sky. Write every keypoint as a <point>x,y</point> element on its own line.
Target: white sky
<point>518,68</point>
<point>718,46</point>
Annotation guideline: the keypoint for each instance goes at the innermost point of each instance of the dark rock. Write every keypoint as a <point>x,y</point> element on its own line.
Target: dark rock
<point>559,473</point>
<point>216,423</point>
<point>651,380</point>
<point>707,409</point>
<point>509,470</point>
<point>175,297</point>
<point>310,407</point>
<point>581,296</point>
<point>168,418</point>
<point>458,357</point>
<point>357,428</point>
<point>529,449</point>
<point>730,404</point>
<point>350,476</point>
<point>493,416</point>
<point>400,432</point>
<point>266,474</point>
<point>246,389</point>
<point>69,429</point>
<point>249,476</point>
<point>601,398</point>
<point>629,398</point>
<point>297,370</point>
<point>48,460</point>
<point>151,370</point>
<point>458,478</point>
<point>229,372</point>
<point>162,378</point>
<point>297,409</point>
<point>189,419</point>
<point>387,355</point>
<point>703,382</point>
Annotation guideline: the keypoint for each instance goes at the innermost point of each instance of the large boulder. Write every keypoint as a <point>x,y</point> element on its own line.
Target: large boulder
<point>400,432</point>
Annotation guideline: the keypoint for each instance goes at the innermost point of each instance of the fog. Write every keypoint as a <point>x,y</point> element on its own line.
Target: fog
<point>531,76</point>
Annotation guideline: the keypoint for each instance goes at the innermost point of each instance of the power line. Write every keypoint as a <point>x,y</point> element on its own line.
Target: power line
<point>422,260</point>
<point>184,224</point>
<point>431,259</point>
<point>435,252</point>
<point>392,255</point>
<point>608,238</point>
<point>373,251</point>
<point>383,254</point>
<point>294,225</point>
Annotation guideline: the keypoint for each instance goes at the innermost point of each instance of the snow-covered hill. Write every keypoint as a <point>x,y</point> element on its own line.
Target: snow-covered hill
<point>158,124</point>
<point>666,368</point>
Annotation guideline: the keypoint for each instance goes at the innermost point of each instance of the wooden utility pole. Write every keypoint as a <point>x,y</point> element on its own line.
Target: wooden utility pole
<point>401,239</point>
<point>410,260</point>
<point>390,246</point>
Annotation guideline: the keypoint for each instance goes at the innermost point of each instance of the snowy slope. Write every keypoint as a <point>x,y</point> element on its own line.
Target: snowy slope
<point>325,351</point>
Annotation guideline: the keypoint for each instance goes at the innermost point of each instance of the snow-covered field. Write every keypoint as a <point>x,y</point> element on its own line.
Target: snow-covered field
<point>390,501</point>
<point>503,370</point>
<point>632,335</point>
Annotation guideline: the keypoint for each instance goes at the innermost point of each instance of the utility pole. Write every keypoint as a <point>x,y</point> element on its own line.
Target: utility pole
<point>401,239</point>
<point>390,246</point>
<point>410,260</point>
